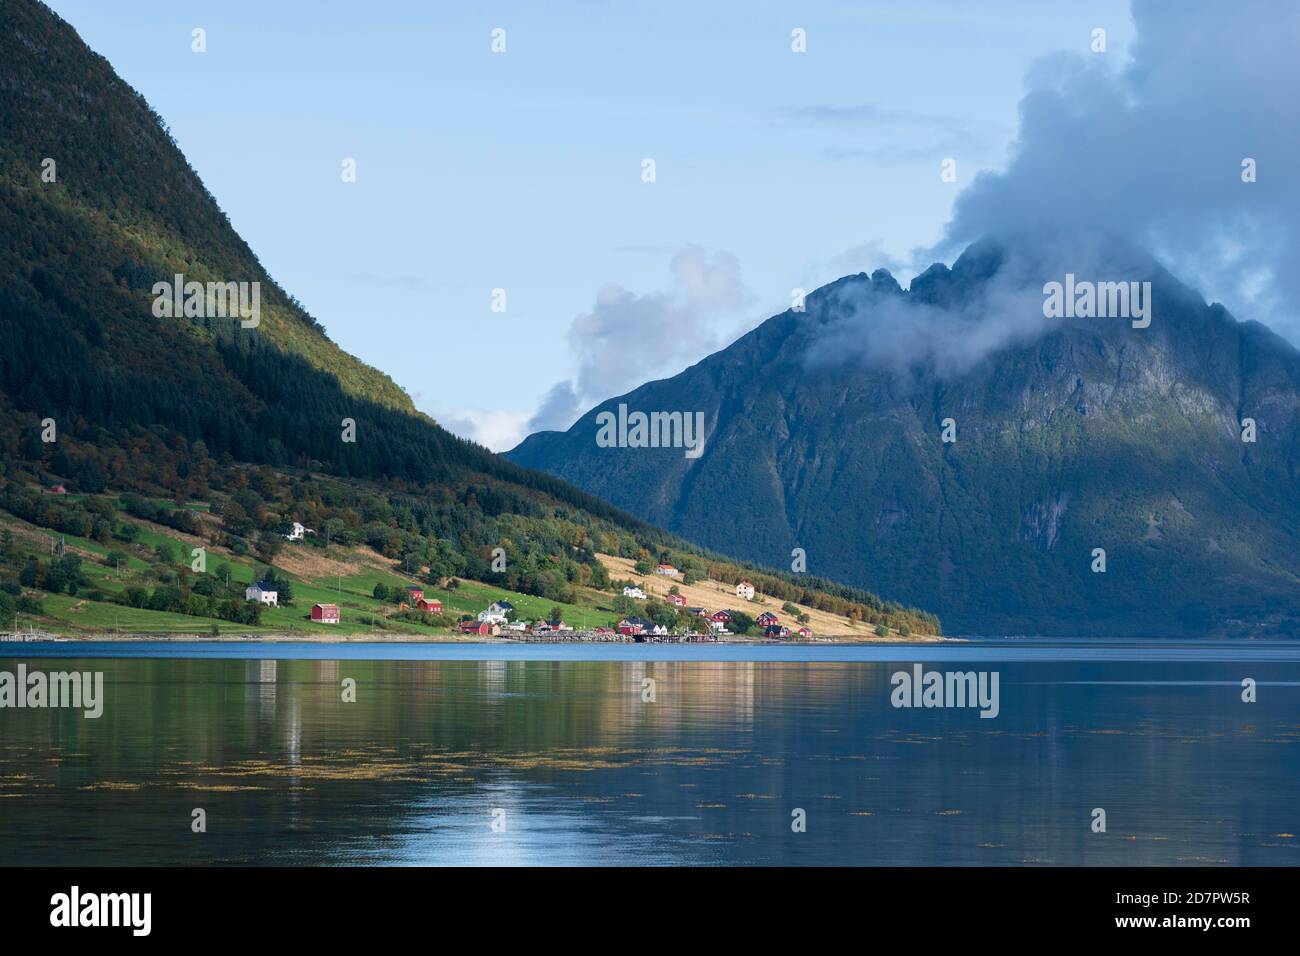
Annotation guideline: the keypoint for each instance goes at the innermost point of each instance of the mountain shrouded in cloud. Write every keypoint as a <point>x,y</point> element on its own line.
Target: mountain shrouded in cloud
<point>1071,435</point>
<point>878,327</point>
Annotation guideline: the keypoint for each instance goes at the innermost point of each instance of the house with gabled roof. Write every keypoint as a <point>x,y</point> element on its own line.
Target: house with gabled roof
<point>497,612</point>
<point>325,613</point>
<point>263,592</point>
<point>635,626</point>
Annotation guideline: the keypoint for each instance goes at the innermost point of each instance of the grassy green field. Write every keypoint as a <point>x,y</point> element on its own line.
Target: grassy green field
<point>353,592</point>
<point>115,618</point>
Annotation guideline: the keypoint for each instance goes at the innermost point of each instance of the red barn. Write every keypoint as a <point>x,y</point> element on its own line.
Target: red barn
<point>433,607</point>
<point>325,613</point>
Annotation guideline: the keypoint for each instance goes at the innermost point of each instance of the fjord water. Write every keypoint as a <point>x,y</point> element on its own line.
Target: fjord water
<point>710,772</point>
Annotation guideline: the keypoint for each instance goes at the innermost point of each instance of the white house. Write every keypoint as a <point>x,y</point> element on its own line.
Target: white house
<point>667,570</point>
<point>635,593</point>
<point>263,592</point>
<point>496,612</point>
<point>745,590</point>
<point>297,531</point>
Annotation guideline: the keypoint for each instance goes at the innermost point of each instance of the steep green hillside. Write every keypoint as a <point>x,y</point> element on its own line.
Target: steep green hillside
<point>125,210</point>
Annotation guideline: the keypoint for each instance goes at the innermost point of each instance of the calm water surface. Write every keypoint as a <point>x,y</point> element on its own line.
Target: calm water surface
<point>737,738</point>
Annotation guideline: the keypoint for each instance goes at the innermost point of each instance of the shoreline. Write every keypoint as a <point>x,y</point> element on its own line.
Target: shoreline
<point>368,638</point>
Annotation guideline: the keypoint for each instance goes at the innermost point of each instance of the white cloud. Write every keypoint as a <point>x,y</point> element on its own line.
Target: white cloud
<point>1152,150</point>
<point>627,339</point>
<point>559,409</point>
<point>499,430</point>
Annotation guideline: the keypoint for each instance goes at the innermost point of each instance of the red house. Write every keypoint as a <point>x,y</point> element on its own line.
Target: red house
<point>414,594</point>
<point>805,632</point>
<point>776,630</point>
<point>325,613</point>
<point>767,618</point>
<point>720,617</point>
<point>676,600</point>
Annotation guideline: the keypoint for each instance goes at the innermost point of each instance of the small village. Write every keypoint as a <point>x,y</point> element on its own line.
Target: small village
<point>299,584</point>
<point>499,619</point>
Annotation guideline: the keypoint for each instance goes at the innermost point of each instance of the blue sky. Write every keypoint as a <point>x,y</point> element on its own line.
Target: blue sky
<point>523,170</point>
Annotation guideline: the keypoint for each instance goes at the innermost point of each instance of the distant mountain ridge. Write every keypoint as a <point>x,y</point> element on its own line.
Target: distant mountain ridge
<point>825,433</point>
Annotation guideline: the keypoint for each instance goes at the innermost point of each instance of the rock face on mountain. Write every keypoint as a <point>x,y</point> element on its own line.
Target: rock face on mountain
<point>1072,437</point>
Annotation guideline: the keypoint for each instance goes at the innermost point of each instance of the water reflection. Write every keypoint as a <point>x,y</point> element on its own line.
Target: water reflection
<point>580,764</point>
